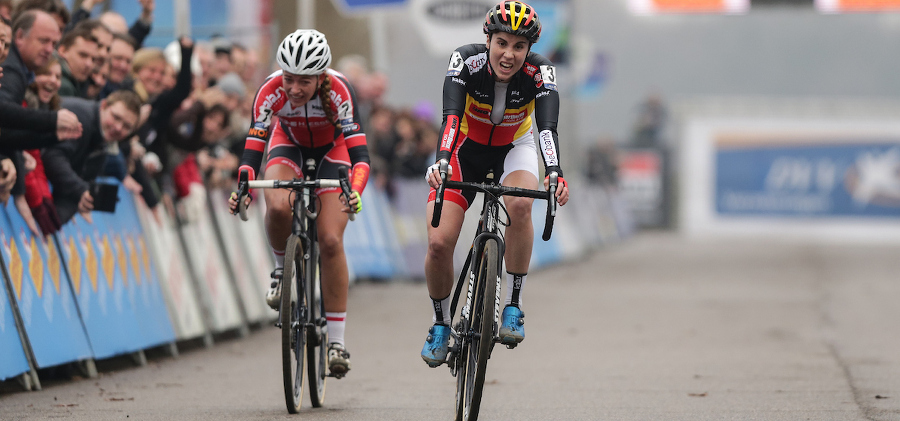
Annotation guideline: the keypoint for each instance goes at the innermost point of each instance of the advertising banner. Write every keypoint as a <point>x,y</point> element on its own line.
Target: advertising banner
<point>166,250</point>
<point>370,242</point>
<point>852,179</point>
<point>14,361</point>
<point>46,304</point>
<point>836,180</point>
<point>651,7</point>
<point>843,6</point>
<point>641,184</point>
<point>138,271</point>
<point>240,258</point>
<point>205,259</point>
<point>253,235</point>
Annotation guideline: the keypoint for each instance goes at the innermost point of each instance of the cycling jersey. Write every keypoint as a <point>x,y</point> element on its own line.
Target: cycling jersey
<point>469,101</point>
<point>307,126</point>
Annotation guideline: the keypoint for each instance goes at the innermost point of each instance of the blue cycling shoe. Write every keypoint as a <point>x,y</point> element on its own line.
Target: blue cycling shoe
<point>436,344</point>
<point>512,331</point>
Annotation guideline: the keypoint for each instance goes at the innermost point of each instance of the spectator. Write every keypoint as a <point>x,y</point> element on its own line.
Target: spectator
<point>221,63</point>
<point>234,89</point>
<point>77,50</point>
<point>121,55</point>
<point>7,178</point>
<point>104,36</point>
<point>648,130</point>
<point>6,7</point>
<point>36,205</point>
<point>148,69</point>
<point>5,40</point>
<point>116,23</point>
<point>72,166</point>
<point>55,8</point>
<point>34,35</point>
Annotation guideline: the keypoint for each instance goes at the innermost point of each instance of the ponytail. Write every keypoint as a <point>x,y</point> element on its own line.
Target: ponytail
<point>325,95</point>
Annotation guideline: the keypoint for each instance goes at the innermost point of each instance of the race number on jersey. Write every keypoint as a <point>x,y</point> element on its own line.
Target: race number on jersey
<point>456,64</point>
<point>548,76</point>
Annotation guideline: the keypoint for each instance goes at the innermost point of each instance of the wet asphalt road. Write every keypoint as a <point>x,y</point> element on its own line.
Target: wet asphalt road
<point>655,328</point>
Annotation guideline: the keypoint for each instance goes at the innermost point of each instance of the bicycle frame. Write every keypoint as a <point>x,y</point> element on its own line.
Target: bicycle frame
<point>301,314</point>
<point>474,334</point>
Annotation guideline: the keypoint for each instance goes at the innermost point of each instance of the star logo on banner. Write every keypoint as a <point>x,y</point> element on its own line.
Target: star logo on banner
<point>878,177</point>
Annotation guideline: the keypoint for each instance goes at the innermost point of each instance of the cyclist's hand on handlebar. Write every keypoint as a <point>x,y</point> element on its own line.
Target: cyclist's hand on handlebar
<point>433,174</point>
<point>233,202</point>
<point>562,190</point>
<point>355,205</point>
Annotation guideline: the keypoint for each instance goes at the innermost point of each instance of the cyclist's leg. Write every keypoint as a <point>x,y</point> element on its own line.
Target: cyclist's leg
<point>439,278</point>
<point>331,224</point>
<point>520,170</point>
<point>335,277</point>
<point>281,165</point>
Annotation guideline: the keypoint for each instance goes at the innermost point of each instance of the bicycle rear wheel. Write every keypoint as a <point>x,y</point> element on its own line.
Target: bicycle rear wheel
<point>317,341</point>
<point>293,324</point>
<point>475,354</point>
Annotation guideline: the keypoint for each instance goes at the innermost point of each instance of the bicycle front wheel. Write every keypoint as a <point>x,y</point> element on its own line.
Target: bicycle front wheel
<point>317,341</point>
<point>483,328</point>
<point>293,324</point>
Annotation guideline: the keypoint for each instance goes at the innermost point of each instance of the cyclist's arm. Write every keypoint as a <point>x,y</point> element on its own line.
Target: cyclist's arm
<point>454,103</point>
<point>269,99</point>
<point>354,136</point>
<point>546,114</point>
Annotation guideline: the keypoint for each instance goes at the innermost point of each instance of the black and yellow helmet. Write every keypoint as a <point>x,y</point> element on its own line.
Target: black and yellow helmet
<point>514,17</point>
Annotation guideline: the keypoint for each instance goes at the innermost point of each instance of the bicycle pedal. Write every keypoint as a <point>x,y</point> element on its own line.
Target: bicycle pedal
<point>336,376</point>
<point>510,346</point>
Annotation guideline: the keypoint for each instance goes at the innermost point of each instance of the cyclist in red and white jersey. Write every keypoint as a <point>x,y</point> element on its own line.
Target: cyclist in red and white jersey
<point>308,111</point>
<point>492,94</point>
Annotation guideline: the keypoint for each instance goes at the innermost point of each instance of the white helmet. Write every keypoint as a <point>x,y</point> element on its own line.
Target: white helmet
<point>304,52</point>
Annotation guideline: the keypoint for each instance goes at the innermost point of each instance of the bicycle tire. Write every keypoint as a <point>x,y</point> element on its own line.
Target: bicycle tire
<point>293,326</point>
<point>317,341</point>
<point>483,319</point>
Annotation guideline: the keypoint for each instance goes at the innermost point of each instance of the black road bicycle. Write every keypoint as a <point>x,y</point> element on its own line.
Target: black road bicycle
<point>477,328</point>
<point>304,332</point>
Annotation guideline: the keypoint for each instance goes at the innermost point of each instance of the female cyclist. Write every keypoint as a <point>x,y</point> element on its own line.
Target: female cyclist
<point>311,113</point>
<point>491,92</point>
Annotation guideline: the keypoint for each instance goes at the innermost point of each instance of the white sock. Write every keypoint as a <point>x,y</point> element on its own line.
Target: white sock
<point>441,309</point>
<point>279,258</point>
<point>514,288</point>
<point>336,323</point>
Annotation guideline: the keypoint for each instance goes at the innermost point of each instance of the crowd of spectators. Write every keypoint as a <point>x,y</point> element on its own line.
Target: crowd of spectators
<point>81,97</point>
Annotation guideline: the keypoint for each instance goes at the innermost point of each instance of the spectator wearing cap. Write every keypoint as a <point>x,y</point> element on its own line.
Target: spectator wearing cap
<point>234,89</point>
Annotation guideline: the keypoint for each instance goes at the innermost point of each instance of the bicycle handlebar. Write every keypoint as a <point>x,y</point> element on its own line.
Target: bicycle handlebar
<point>498,190</point>
<point>296,184</point>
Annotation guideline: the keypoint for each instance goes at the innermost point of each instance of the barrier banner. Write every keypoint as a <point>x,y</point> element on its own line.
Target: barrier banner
<point>253,235</point>
<point>205,259</point>
<point>408,209</point>
<point>104,298</point>
<point>369,242</point>
<point>43,295</point>
<point>137,270</point>
<point>13,361</point>
<point>166,250</point>
<point>242,263</point>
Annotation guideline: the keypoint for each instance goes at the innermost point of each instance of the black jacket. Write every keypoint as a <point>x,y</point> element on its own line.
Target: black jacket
<point>71,166</point>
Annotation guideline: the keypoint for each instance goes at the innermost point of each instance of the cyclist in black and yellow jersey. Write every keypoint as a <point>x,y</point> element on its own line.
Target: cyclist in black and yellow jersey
<point>492,94</point>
